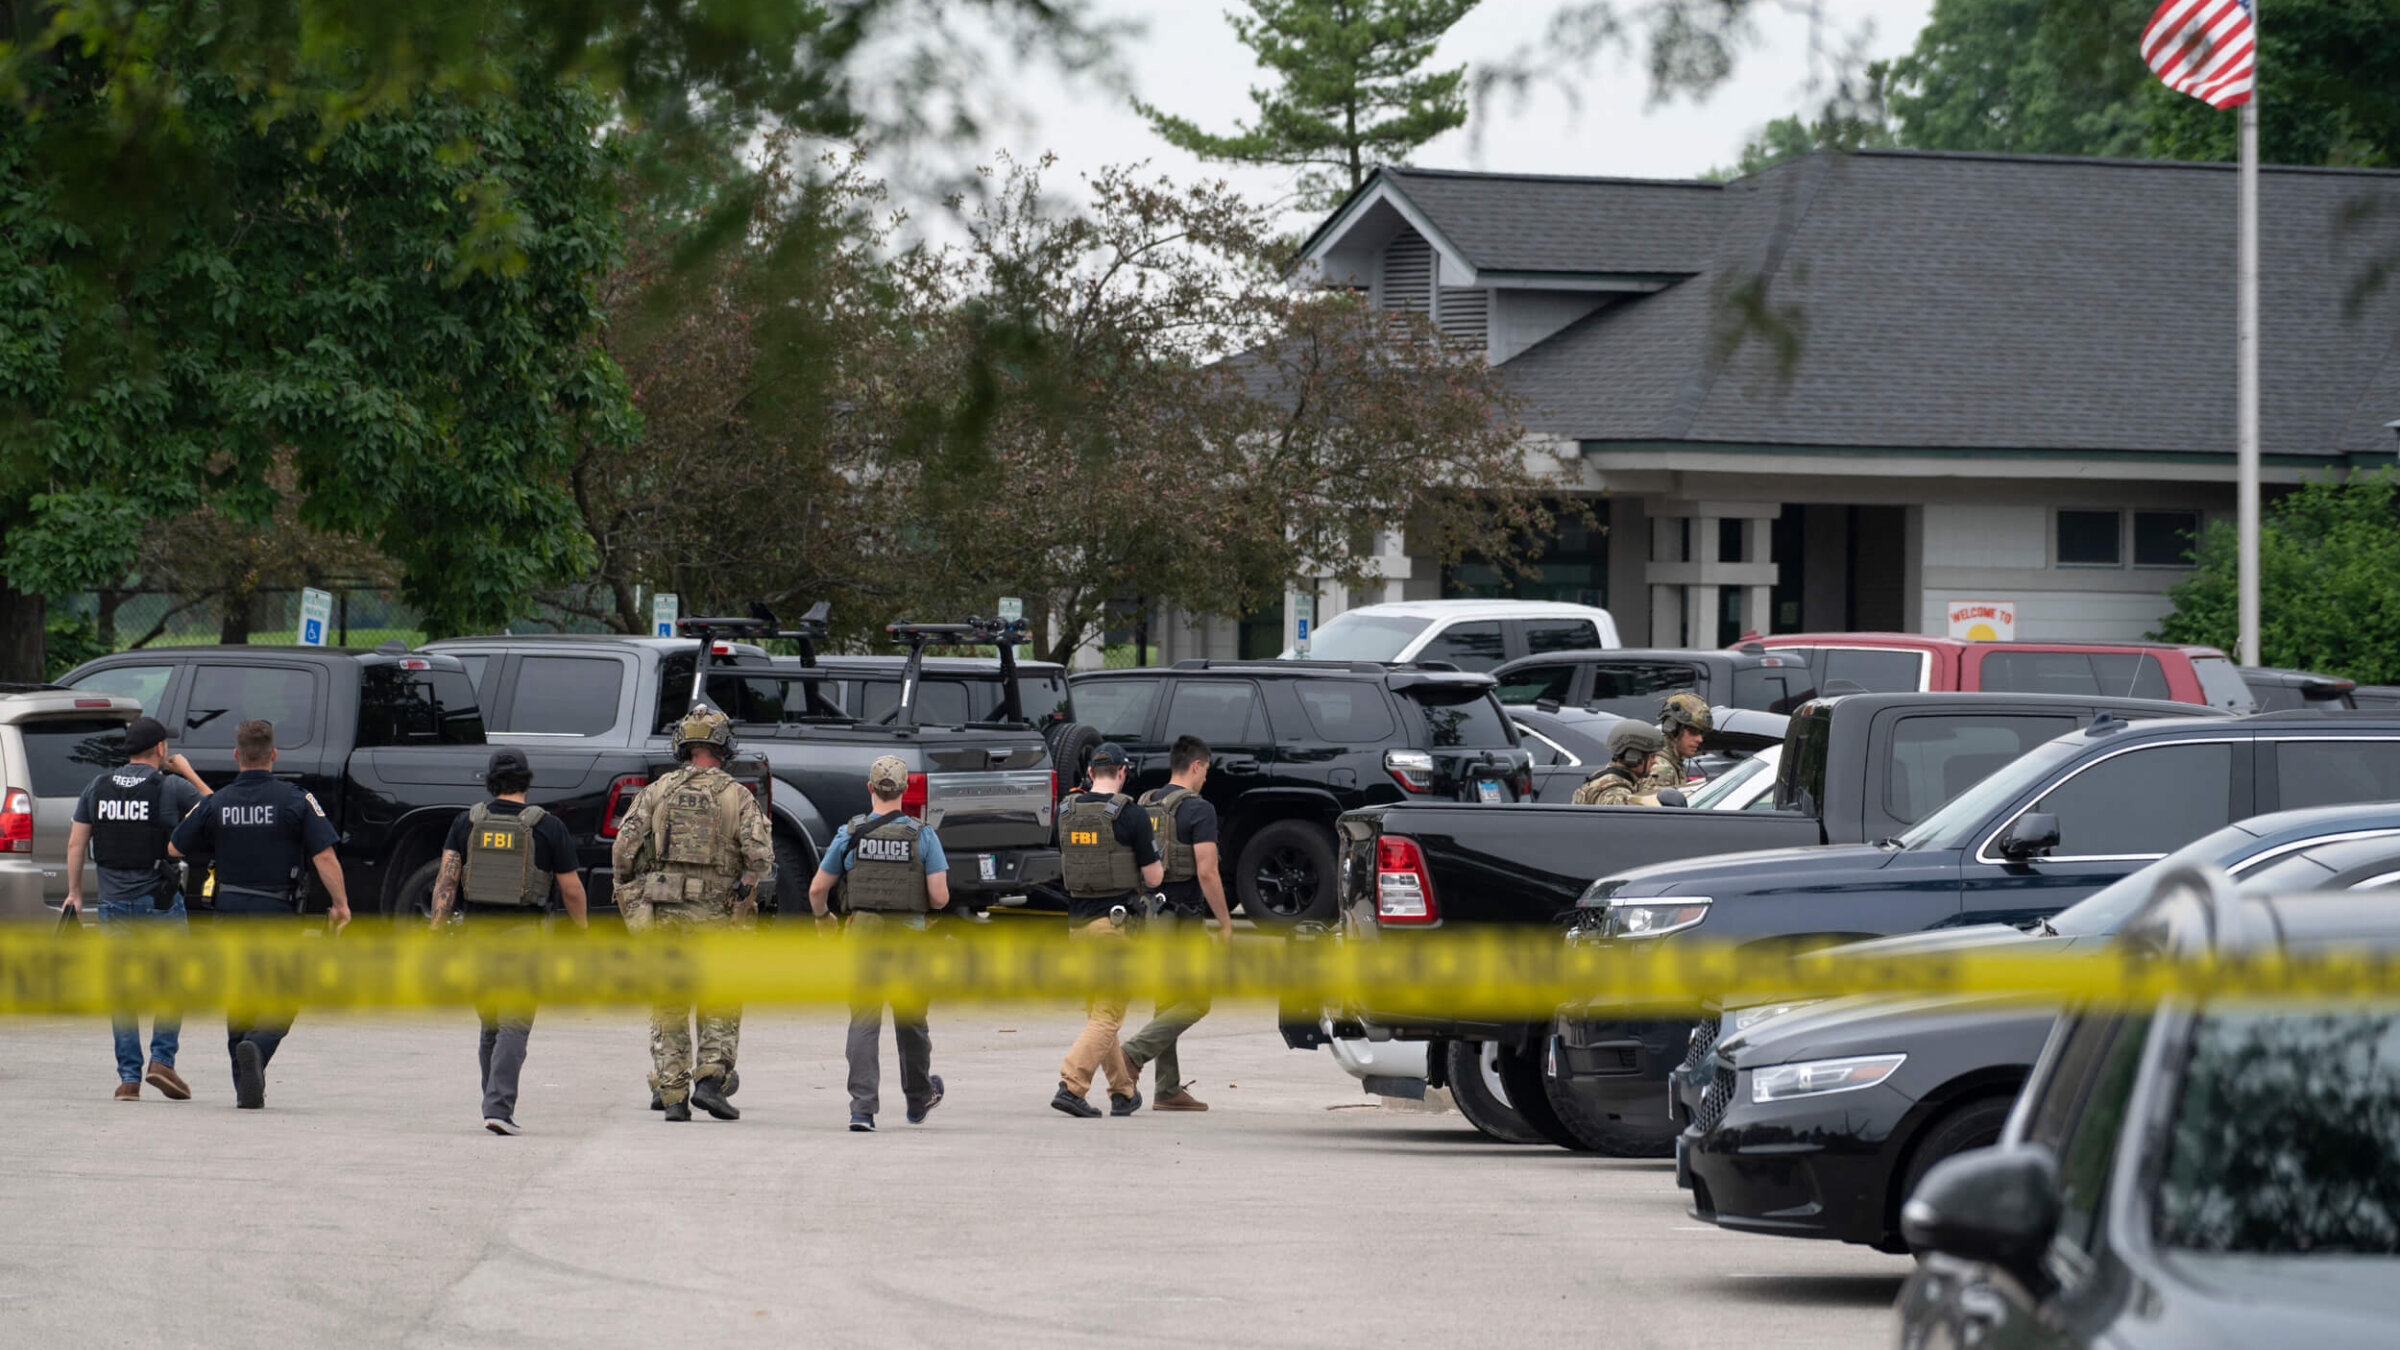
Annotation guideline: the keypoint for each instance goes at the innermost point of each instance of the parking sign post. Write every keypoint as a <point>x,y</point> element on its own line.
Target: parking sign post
<point>316,615</point>
<point>664,607</point>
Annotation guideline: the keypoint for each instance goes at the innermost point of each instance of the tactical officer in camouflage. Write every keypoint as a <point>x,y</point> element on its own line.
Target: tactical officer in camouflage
<point>693,852</point>
<point>892,874</point>
<point>1628,777</point>
<point>1107,855</point>
<point>1683,719</point>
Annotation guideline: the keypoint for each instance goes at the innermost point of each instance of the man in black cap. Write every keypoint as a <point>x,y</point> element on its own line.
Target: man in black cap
<point>1108,856</point>
<point>125,817</point>
<point>498,867</point>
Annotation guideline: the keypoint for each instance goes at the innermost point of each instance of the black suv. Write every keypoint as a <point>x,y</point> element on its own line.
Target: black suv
<point>1632,682</point>
<point>1296,743</point>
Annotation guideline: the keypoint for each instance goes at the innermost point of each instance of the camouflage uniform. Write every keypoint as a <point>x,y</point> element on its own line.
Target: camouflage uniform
<point>1611,786</point>
<point>1666,771</point>
<point>1677,712</point>
<point>1633,751</point>
<point>724,839</point>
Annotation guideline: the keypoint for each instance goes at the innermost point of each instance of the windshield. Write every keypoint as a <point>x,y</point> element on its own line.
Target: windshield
<point>2286,1137</point>
<point>64,754</point>
<point>1364,637</point>
<point>1475,724</point>
<point>1954,824</point>
<point>1730,782</point>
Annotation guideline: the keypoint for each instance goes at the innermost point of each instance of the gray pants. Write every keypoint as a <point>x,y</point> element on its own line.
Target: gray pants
<point>1155,1042</point>
<point>864,1049</point>
<point>502,1053</point>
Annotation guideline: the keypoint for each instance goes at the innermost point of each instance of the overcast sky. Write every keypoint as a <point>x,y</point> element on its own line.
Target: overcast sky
<point>1189,62</point>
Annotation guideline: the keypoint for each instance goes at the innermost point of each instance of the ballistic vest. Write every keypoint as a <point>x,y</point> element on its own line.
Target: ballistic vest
<point>1090,860</point>
<point>499,863</point>
<point>1172,846</point>
<point>1609,776</point>
<point>887,866</point>
<point>696,828</point>
<point>129,820</point>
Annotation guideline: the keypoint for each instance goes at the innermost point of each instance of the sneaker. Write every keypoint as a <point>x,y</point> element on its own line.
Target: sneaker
<point>129,1092</point>
<point>861,1123</point>
<point>501,1125</point>
<point>1176,1099</point>
<point>917,1114</point>
<point>1125,1105</point>
<point>1067,1101</point>
<point>249,1077</point>
<point>709,1095</point>
<point>169,1083</point>
<point>677,1110</point>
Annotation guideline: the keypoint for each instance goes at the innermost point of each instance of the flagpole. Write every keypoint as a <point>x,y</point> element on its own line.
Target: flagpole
<point>2246,491</point>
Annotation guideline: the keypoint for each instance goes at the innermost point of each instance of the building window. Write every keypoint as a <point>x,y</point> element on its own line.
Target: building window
<point>1573,567</point>
<point>2165,538</point>
<point>2091,539</point>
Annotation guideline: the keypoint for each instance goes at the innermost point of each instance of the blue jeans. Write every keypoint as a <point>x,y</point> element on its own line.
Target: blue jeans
<point>166,1029</point>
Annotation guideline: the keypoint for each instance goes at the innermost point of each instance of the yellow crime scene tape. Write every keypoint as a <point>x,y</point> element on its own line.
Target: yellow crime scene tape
<point>1525,975</point>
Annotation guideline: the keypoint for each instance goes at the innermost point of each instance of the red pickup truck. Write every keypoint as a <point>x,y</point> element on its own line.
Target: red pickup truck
<point>1891,663</point>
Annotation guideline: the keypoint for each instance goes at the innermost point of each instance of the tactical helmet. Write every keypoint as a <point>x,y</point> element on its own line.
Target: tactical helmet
<point>1634,738</point>
<point>704,725</point>
<point>1684,710</point>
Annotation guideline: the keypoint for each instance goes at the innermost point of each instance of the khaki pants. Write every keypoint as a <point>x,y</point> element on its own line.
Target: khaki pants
<point>672,1060</point>
<point>1096,1049</point>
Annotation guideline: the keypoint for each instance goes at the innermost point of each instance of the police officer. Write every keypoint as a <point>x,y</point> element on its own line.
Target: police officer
<point>262,832</point>
<point>1683,719</point>
<point>125,816</point>
<point>500,864</point>
<point>1628,779</point>
<point>692,853</point>
<point>1107,855</point>
<point>893,874</point>
<point>1185,825</point>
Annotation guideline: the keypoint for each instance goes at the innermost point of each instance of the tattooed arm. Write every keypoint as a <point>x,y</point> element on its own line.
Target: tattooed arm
<point>445,886</point>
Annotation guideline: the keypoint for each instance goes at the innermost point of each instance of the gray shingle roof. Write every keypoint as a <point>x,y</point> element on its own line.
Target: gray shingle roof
<point>1531,223</point>
<point>1964,301</point>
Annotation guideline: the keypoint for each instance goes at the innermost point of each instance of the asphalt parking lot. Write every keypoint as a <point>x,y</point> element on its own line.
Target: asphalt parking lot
<point>366,1207</point>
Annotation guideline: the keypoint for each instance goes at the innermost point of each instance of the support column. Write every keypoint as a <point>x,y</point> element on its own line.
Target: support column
<point>1666,601</point>
<point>1758,602</point>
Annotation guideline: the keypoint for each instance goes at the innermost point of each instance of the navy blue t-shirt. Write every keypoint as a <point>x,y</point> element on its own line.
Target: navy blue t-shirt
<point>260,831</point>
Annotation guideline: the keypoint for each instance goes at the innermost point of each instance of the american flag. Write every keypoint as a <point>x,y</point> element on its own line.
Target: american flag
<point>2205,48</point>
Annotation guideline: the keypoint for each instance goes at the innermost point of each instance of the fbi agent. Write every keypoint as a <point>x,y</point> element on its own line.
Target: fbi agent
<point>263,833</point>
<point>500,865</point>
<point>893,874</point>
<point>1185,825</point>
<point>1107,854</point>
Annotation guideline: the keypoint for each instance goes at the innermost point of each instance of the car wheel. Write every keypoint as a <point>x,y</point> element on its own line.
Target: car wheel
<point>412,900</point>
<point>1286,874</point>
<point>1071,747</point>
<point>1475,1089</point>
<point>1521,1075</point>
<point>792,875</point>
<point>1971,1124</point>
<point>1597,1131</point>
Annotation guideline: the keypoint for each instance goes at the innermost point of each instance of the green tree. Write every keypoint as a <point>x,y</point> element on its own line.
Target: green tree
<point>2329,582</point>
<point>2329,82</point>
<point>1858,127</point>
<point>2024,77</point>
<point>1349,93</point>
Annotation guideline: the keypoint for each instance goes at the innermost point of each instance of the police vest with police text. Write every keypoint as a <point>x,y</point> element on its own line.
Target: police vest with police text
<point>1090,860</point>
<point>1163,804</point>
<point>887,866</point>
<point>129,824</point>
<point>499,862</point>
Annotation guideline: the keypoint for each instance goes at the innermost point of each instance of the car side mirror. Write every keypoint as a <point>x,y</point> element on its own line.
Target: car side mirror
<point>1999,1206</point>
<point>1671,797</point>
<point>2030,835</point>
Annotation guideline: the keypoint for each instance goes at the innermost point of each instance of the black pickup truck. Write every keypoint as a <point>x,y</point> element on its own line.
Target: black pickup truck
<point>1854,768</point>
<point>977,733</point>
<point>390,741</point>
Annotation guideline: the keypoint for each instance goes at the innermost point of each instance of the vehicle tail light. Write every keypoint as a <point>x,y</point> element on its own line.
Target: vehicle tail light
<point>16,822</point>
<point>1411,769</point>
<point>1054,785</point>
<point>912,797</point>
<point>92,702</point>
<point>1403,889</point>
<point>620,800</point>
<point>416,663</point>
<point>1524,782</point>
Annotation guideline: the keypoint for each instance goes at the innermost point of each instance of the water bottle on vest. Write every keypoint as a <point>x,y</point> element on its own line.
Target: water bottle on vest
<point>887,866</point>
<point>499,870</point>
<point>1090,860</point>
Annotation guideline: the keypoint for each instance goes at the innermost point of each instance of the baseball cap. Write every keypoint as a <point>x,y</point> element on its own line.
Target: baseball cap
<point>888,775</point>
<point>1108,756</point>
<point>142,733</point>
<point>505,758</point>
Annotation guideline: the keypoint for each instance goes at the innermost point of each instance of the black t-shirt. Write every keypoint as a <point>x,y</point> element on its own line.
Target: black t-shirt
<point>553,848</point>
<point>1133,830</point>
<point>1195,823</point>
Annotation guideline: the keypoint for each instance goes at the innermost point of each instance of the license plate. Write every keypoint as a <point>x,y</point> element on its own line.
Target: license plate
<point>1487,791</point>
<point>987,866</point>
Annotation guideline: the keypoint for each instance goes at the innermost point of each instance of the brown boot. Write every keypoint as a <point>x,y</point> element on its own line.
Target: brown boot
<point>129,1092</point>
<point>169,1083</point>
<point>1176,1099</point>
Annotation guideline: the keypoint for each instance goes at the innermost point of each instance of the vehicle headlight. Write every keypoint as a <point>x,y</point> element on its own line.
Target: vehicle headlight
<point>1816,1077</point>
<point>1656,915</point>
<point>1746,1018</point>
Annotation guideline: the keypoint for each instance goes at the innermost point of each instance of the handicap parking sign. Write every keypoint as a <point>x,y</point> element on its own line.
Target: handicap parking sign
<point>312,634</point>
